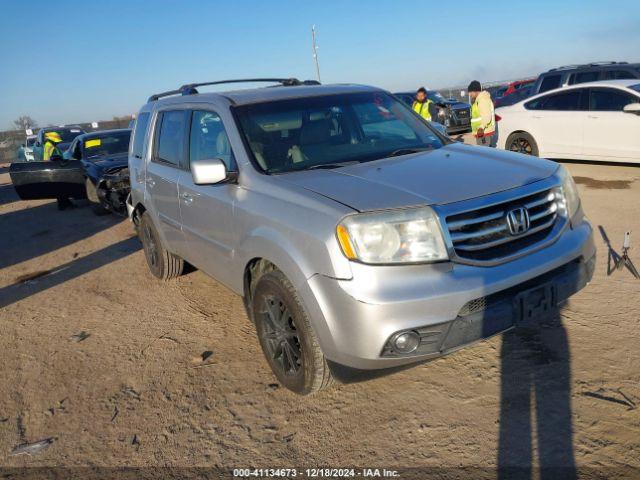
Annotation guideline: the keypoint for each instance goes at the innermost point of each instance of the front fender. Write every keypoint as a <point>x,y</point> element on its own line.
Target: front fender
<point>270,244</point>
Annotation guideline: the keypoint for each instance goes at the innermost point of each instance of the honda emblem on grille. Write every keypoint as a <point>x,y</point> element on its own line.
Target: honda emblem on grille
<point>518,220</point>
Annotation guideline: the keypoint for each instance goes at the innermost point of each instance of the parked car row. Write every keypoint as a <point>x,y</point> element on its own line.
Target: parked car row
<point>590,121</point>
<point>93,166</point>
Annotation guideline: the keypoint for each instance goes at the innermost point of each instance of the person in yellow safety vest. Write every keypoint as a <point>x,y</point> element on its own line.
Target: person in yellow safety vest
<point>483,117</point>
<point>422,105</point>
<point>51,141</point>
<point>52,152</point>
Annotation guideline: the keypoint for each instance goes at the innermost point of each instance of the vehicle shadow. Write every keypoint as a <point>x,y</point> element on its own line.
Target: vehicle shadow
<point>31,232</point>
<point>536,392</point>
<point>7,194</point>
<point>37,282</point>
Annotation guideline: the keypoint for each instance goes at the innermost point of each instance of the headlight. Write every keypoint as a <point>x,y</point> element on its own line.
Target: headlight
<point>570,194</point>
<point>398,236</point>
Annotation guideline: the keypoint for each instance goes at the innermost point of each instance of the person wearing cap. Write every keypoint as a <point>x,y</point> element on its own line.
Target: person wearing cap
<point>51,141</point>
<point>422,105</point>
<point>483,118</point>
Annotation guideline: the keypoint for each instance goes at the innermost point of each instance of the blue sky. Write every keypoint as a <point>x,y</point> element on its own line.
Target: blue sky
<point>75,61</point>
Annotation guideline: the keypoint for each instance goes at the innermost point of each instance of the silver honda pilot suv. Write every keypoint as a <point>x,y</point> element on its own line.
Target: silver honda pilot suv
<point>357,235</point>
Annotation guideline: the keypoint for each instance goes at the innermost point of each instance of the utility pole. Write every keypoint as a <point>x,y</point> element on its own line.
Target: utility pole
<point>315,50</point>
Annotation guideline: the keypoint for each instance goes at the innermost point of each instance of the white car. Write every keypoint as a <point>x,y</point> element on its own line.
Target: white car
<point>588,121</point>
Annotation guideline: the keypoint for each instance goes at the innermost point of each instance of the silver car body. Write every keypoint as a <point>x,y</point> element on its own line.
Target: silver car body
<point>290,219</point>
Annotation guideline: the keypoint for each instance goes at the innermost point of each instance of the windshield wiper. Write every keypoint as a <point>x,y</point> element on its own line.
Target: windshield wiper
<point>407,151</point>
<point>327,166</point>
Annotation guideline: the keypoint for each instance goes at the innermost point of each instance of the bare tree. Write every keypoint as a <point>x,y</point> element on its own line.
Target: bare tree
<point>24,122</point>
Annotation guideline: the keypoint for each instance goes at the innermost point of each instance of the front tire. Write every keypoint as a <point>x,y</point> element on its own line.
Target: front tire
<point>92,196</point>
<point>522,142</point>
<point>286,337</point>
<point>162,263</point>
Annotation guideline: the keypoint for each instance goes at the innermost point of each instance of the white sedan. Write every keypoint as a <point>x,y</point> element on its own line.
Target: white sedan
<point>589,121</point>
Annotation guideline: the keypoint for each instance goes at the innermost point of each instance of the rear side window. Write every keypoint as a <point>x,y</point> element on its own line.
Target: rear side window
<point>564,101</point>
<point>583,77</point>
<point>609,100</point>
<point>171,137</point>
<point>549,83</point>
<point>618,75</point>
<point>139,134</point>
<point>209,139</point>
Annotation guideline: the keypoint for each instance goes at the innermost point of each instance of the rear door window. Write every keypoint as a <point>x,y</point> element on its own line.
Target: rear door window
<point>171,134</point>
<point>563,101</point>
<point>139,134</point>
<point>550,82</point>
<point>618,75</point>
<point>583,77</point>
<point>609,100</point>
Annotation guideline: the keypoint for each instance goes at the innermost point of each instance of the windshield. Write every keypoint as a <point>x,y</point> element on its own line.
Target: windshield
<point>67,134</point>
<point>108,144</point>
<point>436,97</point>
<point>332,130</point>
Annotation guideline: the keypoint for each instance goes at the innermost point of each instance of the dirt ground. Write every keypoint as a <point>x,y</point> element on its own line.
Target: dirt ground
<point>107,361</point>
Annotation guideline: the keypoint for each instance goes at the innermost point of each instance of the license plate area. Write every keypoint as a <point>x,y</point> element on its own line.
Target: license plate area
<point>536,303</point>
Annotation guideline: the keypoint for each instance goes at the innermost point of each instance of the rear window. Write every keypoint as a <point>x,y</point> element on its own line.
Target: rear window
<point>140,131</point>
<point>549,83</point>
<point>635,87</point>
<point>67,134</point>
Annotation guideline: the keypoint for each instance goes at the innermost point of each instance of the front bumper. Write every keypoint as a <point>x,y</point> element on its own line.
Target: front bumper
<point>355,318</point>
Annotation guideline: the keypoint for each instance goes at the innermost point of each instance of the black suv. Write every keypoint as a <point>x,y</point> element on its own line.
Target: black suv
<point>454,115</point>
<point>590,72</point>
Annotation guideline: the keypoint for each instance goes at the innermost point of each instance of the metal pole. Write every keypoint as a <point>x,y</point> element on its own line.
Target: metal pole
<point>315,51</point>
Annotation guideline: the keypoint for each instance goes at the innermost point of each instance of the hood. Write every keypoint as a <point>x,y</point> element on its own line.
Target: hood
<point>111,161</point>
<point>450,174</point>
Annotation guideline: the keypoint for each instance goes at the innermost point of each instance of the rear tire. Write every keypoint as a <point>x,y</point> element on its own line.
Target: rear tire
<point>522,142</point>
<point>162,263</point>
<point>92,196</point>
<point>286,337</point>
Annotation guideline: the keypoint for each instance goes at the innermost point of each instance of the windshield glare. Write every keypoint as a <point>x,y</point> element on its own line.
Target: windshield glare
<point>334,129</point>
<point>112,144</point>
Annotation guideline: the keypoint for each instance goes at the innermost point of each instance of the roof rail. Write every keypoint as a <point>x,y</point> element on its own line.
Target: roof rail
<point>585,65</point>
<point>191,88</point>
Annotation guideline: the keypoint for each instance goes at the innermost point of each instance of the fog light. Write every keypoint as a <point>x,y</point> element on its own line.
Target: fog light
<point>405,342</point>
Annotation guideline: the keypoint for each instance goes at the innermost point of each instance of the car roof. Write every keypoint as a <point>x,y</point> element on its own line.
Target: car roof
<point>265,94</point>
<point>104,133</point>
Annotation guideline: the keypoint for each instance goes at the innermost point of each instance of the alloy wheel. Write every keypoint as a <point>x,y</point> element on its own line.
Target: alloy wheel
<point>281,337</point>
<point>521,145</point>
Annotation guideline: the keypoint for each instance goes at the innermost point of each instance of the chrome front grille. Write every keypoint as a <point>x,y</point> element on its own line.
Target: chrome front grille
<point>485,235</point>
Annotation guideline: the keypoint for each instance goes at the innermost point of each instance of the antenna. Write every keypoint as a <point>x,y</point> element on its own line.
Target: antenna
<point>315,50</point>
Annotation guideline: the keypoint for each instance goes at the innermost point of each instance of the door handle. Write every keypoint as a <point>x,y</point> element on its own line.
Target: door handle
<point>187,198</point>
<point>592,116</point>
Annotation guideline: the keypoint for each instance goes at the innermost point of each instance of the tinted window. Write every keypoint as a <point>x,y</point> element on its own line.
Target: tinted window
<point>618,75</point>
<point>304,133</point>
<point>66,134</point>
<point>171,137</point>
<point>635,87</point>
<point>609,100</point>
<point>564,101</point>
<point>583,77</point>
<point>209,139</point>
<point>549,83</point>
<point>96,146</point>
<point>139,134</point>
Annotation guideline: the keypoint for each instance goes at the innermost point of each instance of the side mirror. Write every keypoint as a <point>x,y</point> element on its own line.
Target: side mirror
<point>210,171</point>
<point>632,108</point>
